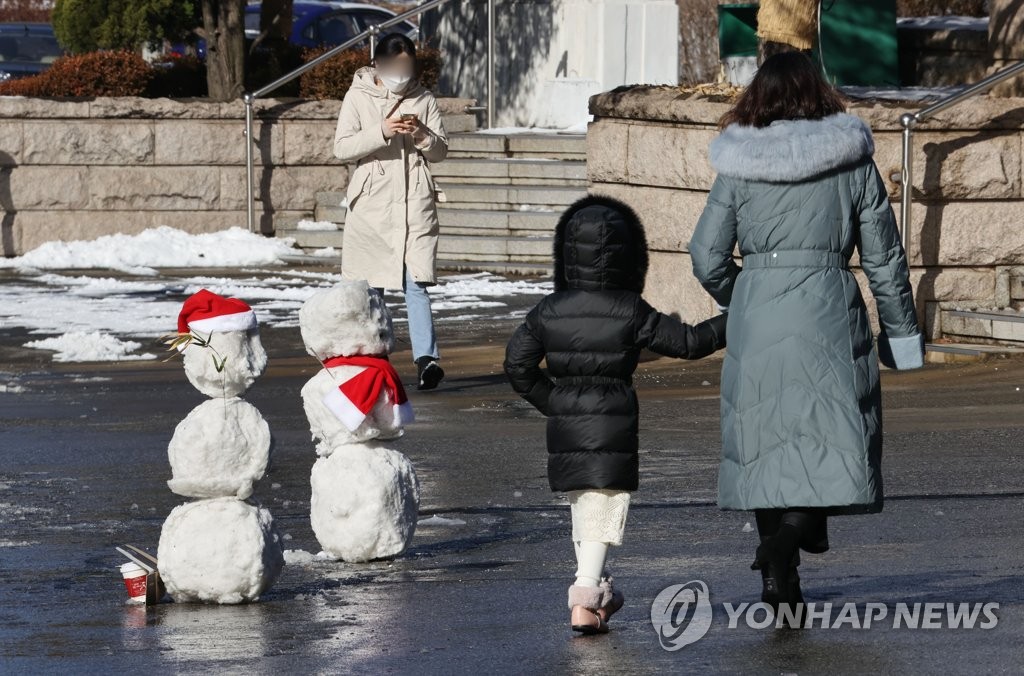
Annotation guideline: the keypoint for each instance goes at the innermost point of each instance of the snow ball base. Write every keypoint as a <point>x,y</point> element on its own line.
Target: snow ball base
<point>364,503</point>
<point>221,550</point>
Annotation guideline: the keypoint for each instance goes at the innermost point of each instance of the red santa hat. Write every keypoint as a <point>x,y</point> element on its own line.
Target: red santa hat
<point>206,312</point>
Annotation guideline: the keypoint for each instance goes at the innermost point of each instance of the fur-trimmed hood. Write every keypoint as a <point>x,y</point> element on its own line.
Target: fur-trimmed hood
<point>600,244</point>
<point>791,150</point>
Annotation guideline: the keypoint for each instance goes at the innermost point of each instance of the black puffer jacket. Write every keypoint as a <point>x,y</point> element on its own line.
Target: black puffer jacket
<point>591,331</point>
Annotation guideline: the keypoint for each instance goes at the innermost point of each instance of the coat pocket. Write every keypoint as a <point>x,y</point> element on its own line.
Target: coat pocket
<point>359,184</point>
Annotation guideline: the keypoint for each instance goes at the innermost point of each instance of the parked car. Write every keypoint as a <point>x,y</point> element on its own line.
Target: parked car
<point>26,49</point>
<point>316,24</point>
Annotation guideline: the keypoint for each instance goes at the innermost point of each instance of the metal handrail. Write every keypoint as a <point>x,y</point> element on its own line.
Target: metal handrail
<point>371,33</point>
<point>908,120</point>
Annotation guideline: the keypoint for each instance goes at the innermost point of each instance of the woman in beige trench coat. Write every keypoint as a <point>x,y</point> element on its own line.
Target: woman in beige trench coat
<point>391,228</point>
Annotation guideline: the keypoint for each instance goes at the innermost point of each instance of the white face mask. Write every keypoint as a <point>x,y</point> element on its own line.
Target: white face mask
<point>396,83</point>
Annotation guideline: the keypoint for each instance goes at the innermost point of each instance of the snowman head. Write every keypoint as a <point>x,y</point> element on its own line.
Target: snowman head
<point>222,353</point>
<point>348,319</point>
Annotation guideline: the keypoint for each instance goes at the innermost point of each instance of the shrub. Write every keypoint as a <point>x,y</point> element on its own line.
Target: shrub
<point>116,73</point>
<point>331,79</point>
<point>178,77</point>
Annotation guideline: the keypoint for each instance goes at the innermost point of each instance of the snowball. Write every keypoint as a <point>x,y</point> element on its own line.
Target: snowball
<point>221,550</point>
<point>364,504</point>
<point>243,357</point>
<point>219,450</point>
<point>347,319</point>
<point>327,429</point>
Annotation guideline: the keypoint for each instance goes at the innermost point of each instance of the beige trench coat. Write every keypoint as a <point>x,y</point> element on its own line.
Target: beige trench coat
<point>392,215</point>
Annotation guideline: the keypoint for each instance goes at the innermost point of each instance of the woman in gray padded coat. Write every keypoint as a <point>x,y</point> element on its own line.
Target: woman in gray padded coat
<point>801,409</point>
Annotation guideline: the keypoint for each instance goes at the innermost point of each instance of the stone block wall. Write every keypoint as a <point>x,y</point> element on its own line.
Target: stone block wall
<point>648,146</point>
<point>85,168</point>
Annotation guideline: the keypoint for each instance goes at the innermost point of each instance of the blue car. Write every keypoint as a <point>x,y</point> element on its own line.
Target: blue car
<point>316,24</point>
<point>26,49</point>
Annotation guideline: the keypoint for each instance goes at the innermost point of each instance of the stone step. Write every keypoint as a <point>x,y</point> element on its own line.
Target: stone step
<point>511,171</point>
<point>499,267</point>
<point>945,353</point>
<point>454,247</point>
<point>459,221</point>
<point>525,146</point>
<point>503,197</point>
<point>983,326</point>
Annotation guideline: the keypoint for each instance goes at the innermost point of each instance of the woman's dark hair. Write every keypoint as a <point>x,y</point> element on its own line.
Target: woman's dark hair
<point>787,86</point>
<point>394,44</point>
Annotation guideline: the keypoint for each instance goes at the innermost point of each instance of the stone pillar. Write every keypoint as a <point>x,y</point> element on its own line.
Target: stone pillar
<point>1006,42</point>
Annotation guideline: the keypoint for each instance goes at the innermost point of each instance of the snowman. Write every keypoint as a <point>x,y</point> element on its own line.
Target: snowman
<point>365,496</point>
<point>219,548</point>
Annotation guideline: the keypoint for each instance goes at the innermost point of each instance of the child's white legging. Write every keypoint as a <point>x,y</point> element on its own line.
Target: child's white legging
<point>598,522</point>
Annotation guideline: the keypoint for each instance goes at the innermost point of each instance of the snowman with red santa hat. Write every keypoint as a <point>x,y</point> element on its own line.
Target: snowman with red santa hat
<point>220,547</point>
<point>365,496</point>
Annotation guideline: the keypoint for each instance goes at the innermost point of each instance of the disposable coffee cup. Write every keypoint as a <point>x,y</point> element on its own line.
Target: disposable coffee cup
<point>134,581</point>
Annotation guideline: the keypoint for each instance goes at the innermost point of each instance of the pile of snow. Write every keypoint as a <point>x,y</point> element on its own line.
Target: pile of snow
<point>944,22</point>
<point>316,225</point>
<point>93,346</point>
<point>302,557</point>
<point>161,247</point>
<point>579,128</point>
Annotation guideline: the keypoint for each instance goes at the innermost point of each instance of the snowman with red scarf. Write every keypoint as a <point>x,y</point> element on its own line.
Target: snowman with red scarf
<point>365,496</point>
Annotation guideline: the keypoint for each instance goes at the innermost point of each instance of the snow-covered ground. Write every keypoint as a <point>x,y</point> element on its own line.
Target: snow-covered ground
<point>99,317</point>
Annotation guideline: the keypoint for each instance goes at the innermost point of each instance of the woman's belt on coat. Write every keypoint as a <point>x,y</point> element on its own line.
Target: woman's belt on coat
<point>796,258</point>
<point>592,380</point>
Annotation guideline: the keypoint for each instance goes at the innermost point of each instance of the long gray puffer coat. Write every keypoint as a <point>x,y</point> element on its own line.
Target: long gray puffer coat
<point>801,409</point>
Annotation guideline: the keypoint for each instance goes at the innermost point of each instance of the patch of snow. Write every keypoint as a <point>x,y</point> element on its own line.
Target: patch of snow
<point>78,346</point>
<point>11,388</point>
<point>327,252</point>
<point>316,225</point>
<point>944,23</point>
<point>436,520</point>
<point>161,247</point>
<point>909,94</point>
<point>298,557</point>
<point>747,528</point>
<point>53,304</point>
<point>536,209</point>
<point>580,128</point>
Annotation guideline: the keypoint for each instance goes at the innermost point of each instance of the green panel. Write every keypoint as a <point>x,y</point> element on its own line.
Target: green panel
<point>858,40</point>
<point>737,29</point>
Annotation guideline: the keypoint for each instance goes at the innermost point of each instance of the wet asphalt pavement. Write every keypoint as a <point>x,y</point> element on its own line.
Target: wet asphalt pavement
<point>84,468</point>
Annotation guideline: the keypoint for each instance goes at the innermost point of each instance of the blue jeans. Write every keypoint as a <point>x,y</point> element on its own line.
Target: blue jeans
<point>421,321</point>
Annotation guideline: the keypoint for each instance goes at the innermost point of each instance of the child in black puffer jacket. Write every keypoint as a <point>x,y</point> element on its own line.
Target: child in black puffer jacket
<point>591,331</point>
